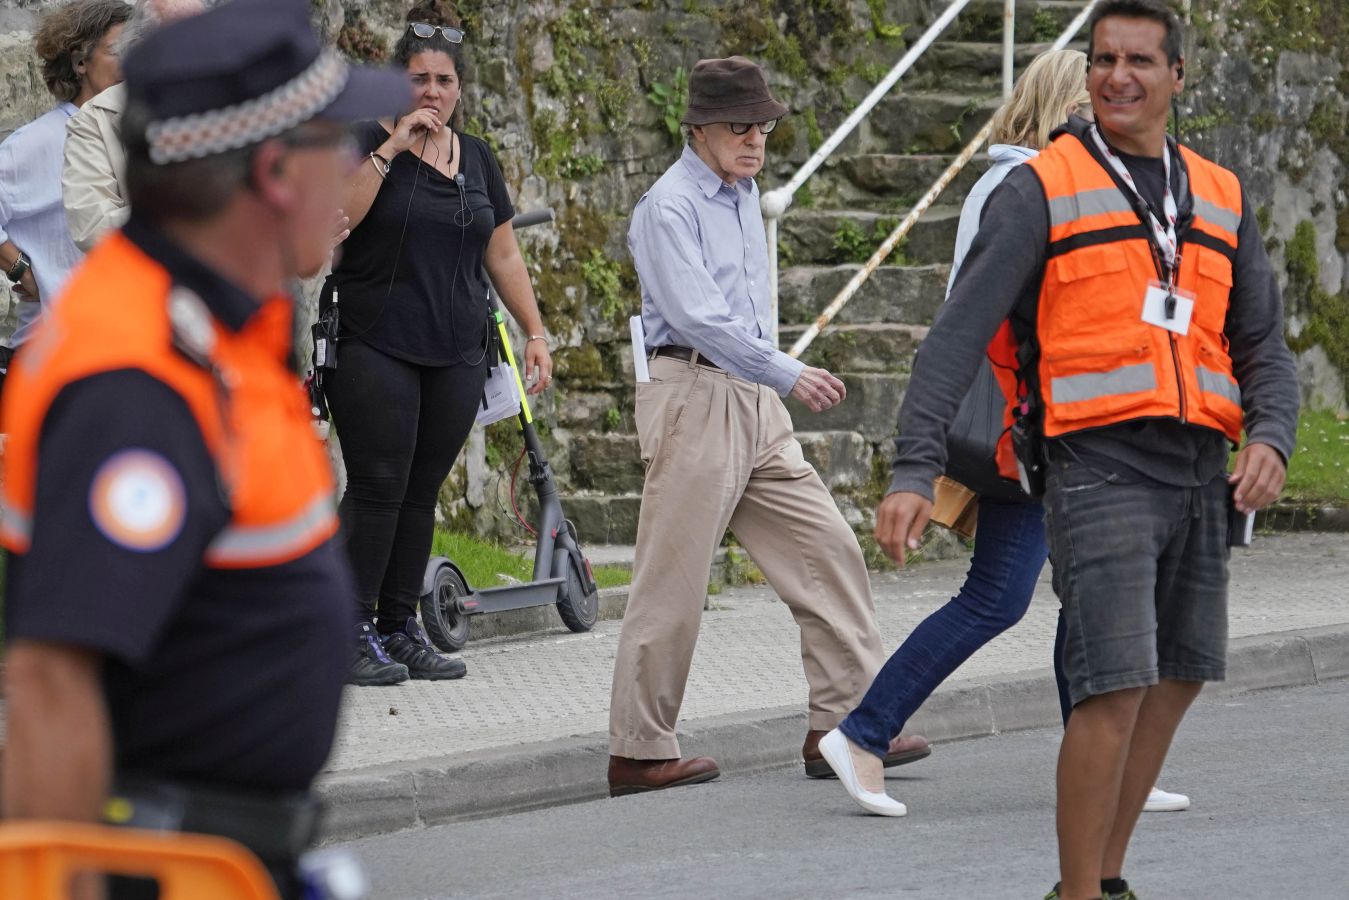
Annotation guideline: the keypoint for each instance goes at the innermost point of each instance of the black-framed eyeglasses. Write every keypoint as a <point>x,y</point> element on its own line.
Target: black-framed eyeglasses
<point>744,127</point>
<point>426,30</point>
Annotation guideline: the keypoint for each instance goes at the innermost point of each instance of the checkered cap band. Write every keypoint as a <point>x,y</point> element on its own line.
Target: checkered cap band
<point>279,110</point>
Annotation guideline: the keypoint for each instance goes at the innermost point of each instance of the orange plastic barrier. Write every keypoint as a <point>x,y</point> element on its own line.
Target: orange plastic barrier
<point>38,859</point>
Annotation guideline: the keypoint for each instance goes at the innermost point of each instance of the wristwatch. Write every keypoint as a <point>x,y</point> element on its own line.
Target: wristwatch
<point>20,268</point>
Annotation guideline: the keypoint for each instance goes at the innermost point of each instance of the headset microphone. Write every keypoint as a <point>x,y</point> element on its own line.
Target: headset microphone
<point>459,178</point>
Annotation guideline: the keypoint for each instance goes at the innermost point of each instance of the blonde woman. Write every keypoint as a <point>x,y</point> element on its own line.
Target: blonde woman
<point>1011,550</point>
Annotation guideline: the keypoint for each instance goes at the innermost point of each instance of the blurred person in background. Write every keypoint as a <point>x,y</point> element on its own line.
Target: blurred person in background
<point>77,45</point>
<point>93,179</point>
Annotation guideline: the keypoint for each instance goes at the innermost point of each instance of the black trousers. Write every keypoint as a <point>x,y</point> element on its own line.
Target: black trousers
<point>401,427</point>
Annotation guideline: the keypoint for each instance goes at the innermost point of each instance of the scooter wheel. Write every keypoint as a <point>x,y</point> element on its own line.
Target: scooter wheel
<point>578,609</point>
<point>445,625</point>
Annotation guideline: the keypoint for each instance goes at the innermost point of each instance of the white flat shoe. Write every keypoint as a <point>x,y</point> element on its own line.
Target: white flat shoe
<point>834,748</point>
<point>1163,801</point>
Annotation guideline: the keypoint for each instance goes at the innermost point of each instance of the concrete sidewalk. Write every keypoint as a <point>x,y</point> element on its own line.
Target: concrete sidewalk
<point>526,728</point>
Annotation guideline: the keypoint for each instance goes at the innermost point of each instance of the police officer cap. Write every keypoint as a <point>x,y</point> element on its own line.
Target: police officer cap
<point>245,71</point>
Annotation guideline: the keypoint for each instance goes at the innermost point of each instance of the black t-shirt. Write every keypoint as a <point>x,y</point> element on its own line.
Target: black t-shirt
<point>410,277</point>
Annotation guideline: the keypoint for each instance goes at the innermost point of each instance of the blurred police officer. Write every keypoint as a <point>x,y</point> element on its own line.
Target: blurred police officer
<point>1152,328</point>
<point>178,613</point>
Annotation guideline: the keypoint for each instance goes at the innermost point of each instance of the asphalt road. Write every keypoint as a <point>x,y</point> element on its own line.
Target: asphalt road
<point>1268,773</point>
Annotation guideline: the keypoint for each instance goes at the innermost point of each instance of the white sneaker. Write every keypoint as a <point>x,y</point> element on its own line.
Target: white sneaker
<point>1162,801</point>
<point>834,748</point>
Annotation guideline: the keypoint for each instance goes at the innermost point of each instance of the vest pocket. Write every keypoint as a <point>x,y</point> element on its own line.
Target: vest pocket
<point>1096,385</point>
<point>1214,281</point>
<point>1219,393</point>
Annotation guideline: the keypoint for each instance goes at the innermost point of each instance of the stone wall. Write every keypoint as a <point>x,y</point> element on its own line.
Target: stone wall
<point>578,100</point>
<point>1268,96</point>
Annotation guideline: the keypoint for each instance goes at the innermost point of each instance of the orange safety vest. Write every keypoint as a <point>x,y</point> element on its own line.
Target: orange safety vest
<point>1099,362</point>
<point>114,315</point>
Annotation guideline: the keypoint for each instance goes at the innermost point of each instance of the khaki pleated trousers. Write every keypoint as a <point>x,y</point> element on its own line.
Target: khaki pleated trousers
<point>720,452</point>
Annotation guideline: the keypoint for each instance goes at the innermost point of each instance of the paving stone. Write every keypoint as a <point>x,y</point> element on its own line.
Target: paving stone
<point>553,686</point>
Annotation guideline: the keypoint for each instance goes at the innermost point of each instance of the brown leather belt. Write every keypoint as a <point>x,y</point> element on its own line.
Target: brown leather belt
<point>685,354</point>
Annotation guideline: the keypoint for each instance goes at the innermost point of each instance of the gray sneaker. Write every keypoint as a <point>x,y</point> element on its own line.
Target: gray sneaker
<point>371,665</point>
<point>413,648</point>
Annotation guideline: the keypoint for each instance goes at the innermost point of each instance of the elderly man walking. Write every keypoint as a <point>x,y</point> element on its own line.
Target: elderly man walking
<point>719,449</point>
<point>1135,278</point>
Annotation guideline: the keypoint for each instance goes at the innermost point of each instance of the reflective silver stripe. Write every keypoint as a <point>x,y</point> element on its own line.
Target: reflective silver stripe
<point>1063,210</point>
<point>243,545</point>
<point>1211,382</point>
<point>1091,385</point>
<point>1224,218</point>
<point>17,524</point>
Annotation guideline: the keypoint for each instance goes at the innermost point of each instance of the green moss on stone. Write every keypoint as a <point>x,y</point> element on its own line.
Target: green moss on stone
<point>580,366</point>
<point>1326,314</point>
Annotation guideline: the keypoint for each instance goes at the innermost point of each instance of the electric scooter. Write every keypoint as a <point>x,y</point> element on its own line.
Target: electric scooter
<point>562,574</point>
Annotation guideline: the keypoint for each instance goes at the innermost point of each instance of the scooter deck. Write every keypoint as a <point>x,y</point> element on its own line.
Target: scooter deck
<point>513,596</point>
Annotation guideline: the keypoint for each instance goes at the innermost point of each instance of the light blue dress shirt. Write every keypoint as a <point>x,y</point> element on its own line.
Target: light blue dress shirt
<point>32,213</point>
<point>702,257</point>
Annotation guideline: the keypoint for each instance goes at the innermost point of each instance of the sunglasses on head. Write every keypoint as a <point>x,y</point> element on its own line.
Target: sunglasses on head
<point>744,127</point>
<point>424,30</point>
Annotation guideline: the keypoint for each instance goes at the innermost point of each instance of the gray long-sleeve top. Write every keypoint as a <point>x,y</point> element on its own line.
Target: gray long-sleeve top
<point>1000,278</point>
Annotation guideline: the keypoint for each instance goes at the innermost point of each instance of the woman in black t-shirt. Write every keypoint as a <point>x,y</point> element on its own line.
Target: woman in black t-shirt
<point>430,223</point>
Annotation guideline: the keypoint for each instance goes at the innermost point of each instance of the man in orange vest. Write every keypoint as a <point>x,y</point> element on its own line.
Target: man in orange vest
<point>179,615</point>
<point>1134,276</point>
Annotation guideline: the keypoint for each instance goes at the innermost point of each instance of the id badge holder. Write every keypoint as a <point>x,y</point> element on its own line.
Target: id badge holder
<point>1168,306</point>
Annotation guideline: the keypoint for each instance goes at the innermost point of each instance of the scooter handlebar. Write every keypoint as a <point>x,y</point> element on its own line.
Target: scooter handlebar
<point>533,217</point>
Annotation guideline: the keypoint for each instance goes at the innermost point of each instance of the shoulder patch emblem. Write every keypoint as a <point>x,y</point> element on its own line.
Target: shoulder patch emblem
<point>137,500</point>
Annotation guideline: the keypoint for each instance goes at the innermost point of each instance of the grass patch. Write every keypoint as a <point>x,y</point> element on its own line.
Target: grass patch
<point>489,564</point>
<point>1319,470</point>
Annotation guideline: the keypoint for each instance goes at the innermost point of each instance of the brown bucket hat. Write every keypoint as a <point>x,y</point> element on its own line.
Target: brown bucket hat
<point>731,90</point>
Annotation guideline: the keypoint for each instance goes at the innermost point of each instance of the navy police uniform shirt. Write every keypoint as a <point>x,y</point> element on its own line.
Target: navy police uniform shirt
<point>226,676</point>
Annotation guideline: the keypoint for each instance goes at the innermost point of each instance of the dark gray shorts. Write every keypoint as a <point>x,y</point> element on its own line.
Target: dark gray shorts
<point>1141,570</point>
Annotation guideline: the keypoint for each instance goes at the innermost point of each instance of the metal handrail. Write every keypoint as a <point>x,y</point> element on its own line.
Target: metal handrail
<point>775,203</point>
<point>889,244</point>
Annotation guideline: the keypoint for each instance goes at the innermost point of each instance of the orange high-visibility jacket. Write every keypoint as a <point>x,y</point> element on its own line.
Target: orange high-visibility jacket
<point>1099,362</point>
<point>251,411</point>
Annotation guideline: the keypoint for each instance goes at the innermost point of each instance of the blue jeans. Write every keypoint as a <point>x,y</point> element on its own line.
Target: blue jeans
<point>1009,552</point>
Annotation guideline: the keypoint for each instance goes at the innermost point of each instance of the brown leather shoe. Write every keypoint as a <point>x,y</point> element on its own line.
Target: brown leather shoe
<point>906,748</point>
<point>637,776</point>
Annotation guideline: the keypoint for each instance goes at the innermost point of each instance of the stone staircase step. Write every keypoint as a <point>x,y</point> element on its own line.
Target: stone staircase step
<point>610,462</point>
<point>891,182</point>
<point>1036,20</point>
<point>810,235</point>
<point>843,458</point>
<point>907,294</point>
<point>879,348</point>
<point>604,518</point>
<point>871,408</point>
<point>928,121</point>
<point>975,62</point>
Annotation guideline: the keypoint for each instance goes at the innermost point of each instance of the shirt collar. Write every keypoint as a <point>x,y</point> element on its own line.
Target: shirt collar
<point>705,178</point>
<point>231,305</point>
